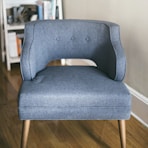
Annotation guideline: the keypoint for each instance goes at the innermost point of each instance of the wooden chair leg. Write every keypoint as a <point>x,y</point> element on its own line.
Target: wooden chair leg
<point>25,132</point>
<point>122,132</point>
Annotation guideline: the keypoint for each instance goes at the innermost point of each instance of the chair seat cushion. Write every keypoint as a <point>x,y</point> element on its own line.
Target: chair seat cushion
<point>73,92</point>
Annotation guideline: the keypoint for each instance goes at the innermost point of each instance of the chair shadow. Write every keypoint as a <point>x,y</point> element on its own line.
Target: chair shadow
<point>96,138</point>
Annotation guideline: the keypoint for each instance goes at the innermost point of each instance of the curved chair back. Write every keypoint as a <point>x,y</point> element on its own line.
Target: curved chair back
<point>52,40</point>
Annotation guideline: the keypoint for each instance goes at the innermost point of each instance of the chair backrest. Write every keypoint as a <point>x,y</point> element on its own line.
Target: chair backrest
<point>50,40</point>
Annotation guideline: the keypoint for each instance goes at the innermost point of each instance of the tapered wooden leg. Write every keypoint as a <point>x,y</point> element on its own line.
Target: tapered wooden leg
<point>122,132</point>
<point>25,132</point>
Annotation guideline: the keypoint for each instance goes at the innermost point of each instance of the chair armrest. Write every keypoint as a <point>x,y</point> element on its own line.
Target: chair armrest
<point>119,53</point>
<point>114,65</point>
<point>25,62</point>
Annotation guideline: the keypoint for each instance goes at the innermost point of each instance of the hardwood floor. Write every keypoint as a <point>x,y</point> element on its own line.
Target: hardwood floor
<point>59,134</point>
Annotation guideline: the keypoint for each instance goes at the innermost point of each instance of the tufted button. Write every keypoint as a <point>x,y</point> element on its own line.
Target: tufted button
<point>72,38</point>
<point>87,39</point>
<point>58,38</point>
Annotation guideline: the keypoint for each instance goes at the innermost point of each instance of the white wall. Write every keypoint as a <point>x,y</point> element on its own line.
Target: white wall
<point>132,16</point>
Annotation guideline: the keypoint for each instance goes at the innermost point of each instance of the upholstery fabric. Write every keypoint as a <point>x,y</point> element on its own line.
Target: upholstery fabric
<point>73,92</point>
<point>95,40</point>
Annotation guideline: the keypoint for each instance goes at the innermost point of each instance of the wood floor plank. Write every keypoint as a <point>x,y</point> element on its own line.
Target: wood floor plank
<point>59,134</point>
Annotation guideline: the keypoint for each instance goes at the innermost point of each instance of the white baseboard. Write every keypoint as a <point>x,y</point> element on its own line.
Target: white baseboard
<point>138,95</point>
<point>139,119</point>
<point>139,106</point>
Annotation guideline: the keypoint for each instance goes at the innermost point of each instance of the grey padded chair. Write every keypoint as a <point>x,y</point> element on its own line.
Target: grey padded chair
<point>73,92</point>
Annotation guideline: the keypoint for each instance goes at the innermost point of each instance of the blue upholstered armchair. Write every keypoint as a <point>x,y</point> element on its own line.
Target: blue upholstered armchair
<point>73,92</point>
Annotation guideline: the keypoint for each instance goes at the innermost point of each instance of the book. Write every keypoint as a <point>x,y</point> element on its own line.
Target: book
<point>40,12</point>
<point>12,44</point>
<point>19,40</point>
<point>19,44</point>
<point>40,9</point>
<point>15,15</point>
<point>57,12</point>
<point>53,9</point>
<point>59,9</point>
<point>47,11</point>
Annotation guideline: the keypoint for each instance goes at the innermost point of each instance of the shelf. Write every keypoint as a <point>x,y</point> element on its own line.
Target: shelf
<point>15,59</point>
<point>15,26</point>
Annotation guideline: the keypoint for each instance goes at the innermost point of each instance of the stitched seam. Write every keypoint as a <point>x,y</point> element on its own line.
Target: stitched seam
<point>30,52</point>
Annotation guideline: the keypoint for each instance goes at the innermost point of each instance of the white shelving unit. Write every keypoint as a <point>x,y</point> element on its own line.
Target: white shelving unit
<point>14,27</point>
<point>7,28</point>
<point>2,33</point>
